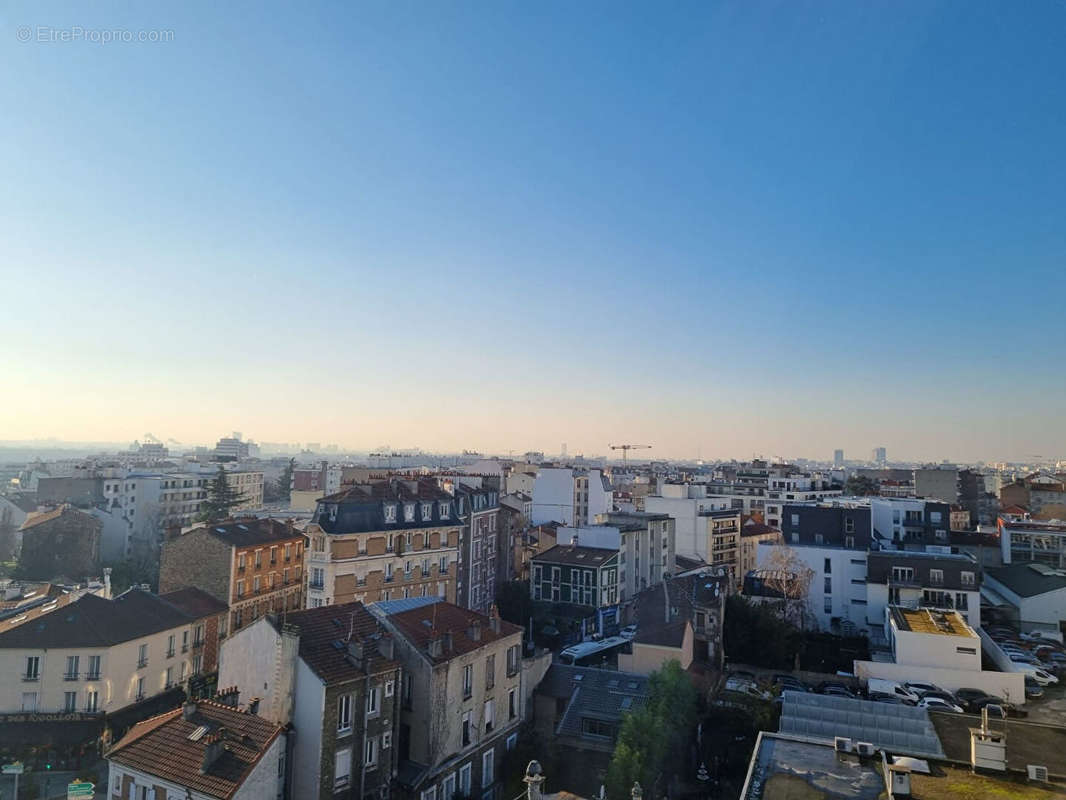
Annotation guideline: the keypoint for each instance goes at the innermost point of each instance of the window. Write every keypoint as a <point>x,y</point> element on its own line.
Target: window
<point>408,688</point>
<point>468,681</point>
<point>962,601</point>
<point>386,740</point>
<point>372,701</point>
<point>72,669</point>
<point>487,763</point>
<point>94,669</point>
<point>288,552</point>
<point>597,728</point>
<point>512,741</point>
<point>512,704</point>
<point>371,752</point>
<point>390,513</point>
<point>849,525</point>
<point>466,729</point>
<point>795,519</point>
<point>430,793</point>
<point>966,578</point>
<point>409,512</point>
<point>258,559</point>
<point>91,700</point>
<point>828,585</point>
<point>489,715</point>
<point>828,605</point>
<point>512,660</point>
<point>29,701</point>
<point>425,567</point>
<point>490,671</point>
<point>390,688</point>
<point>464,779</point>
<point>795,537</point>
<point>443,567</point>
<point>197,664</point>
<point>70,701</point>
<point>240,588</point>
<point>274,555</point>
<point>427,511</point>
<point>407,541</point>
<point>969,651</point>
<point>447,788</point>
<point>140,688</point>
<point>344,713</point>
<point>407,568</point>
<point>342,768</point>
<point>936,576</point>
<point>142,656</point>
<point>255,584</point>
<point>33,668</point>
<point>444,511</point>
<point>170,678</point>
<point>818,538</point>
<point>934,517</point>
<point>318,578</point>
<point>828,566</point>
<point>849,541</point>
<point>170,646</point>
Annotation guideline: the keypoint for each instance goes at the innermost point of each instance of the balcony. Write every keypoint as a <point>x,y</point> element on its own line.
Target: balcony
<point>913,522</point>
<point>197,644</point>
<point>320,584</point>
<point>70,676</point>
<point>142,663</point>
<point>31,677</point>
<point>170,653</point>
<point>92,676</point>
<point>185,648</point>
<point>389,578</point>
<point>902,580</point>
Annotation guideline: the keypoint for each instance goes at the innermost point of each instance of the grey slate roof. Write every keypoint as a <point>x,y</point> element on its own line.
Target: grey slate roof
<point>593,693</point>
<point>1025,581</point>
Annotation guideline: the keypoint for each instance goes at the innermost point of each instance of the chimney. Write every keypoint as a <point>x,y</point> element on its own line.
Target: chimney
<point>533,779</point>
<point>215,746</point>
<point>188,709</point>
<point>435,646</point>
<point>228,696</point>
<point>253,705</point>
<point>357,654</point>
<point>474,631</point>
<point>494,619</point>
<point>107,583</point>
<point>448,644</point>
<point>289,526</point>
<point>573,541</point>
<point>386,647</point>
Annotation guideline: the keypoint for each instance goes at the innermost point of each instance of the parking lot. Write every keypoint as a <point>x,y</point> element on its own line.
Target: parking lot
<point>1051,708</point>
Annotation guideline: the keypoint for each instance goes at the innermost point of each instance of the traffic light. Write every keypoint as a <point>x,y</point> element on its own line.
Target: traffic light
<point>47,766</point>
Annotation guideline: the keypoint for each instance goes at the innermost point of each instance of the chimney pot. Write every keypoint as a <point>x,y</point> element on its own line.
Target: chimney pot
<point>188,709</point>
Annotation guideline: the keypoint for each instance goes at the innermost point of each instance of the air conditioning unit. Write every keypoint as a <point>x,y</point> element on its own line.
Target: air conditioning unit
<point>864,749</point>
<point>1037,773</point>
<point>842,744</point>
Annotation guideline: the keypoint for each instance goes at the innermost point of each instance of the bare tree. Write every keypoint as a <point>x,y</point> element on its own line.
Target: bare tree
<point>788,574</point>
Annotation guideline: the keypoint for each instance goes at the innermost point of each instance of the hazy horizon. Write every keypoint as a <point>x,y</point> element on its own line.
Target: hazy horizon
<point>718,229</point>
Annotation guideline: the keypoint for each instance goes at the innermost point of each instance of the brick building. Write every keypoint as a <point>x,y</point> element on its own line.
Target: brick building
<point>383,540</point>
<point>61,541</point>
<point>253,565</point>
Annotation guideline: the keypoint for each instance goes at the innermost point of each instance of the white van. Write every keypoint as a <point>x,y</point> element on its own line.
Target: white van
<point>1042,676</point>
<point>891,688</point>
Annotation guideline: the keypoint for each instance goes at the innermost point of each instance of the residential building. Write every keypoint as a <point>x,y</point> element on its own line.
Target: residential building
<point>960,518</point>
<point>211,617</point>
<point>515,512</point>
<point>937,483</point>
<point>910,523</point>
<point>721,531</point>
<point>385,540</point>
<point>646,544</point>
<point>480,548</point>
<point>60,541</point>
<point>332,674</point>
<point>838,458</point>
<point>879,456</point>
<point>14,508</point>
<point>461,699</point>
<point>203,750</point>
<point>1032,595</point>
<point>909,579</point>
<point>531,542</point>
<point>96,655</point>
<point>580,576</point>
<point>570,496</point>
<point>234,448</point>
<point>253,565</point>
<point>684,503</point>
<point>680,619</point>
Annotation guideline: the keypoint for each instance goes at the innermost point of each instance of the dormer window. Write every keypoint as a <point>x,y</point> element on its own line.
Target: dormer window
<point>444,511</point>
<point>409,512</point>
<point>332,513</point>
<point>427,511</point>
<point>390,513</point>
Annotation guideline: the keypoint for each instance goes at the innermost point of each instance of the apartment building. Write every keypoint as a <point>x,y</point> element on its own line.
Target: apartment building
<point>752,535</point>
<point>647,545</point>
<point>59,541</point>
<point>937,483</point>
<point>721,531</point>
<point>684,503</point>
<point>1024,539</point>
<point>920,580</point>
<point>384,540</point>
<point>255,566</point>
<point>910,523</point>
<point>570,496</point>
<point>480,546</point>
<point>461,699</point>
<point>96,655</point>
<point>574,573</point>
<point>203,750</point>
<point>331,673</point>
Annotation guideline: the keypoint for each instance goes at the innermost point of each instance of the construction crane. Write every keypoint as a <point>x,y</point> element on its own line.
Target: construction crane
<point>625,448</point>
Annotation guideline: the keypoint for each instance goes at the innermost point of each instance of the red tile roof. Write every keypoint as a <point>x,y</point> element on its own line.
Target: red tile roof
<point>420,625</point>
<point>160,746</point>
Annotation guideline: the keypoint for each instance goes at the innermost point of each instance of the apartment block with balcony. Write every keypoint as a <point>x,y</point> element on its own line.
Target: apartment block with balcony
<point>1023,540</point>
<point>910,523</point>
<point>461,700</point>
<point>910,579</point>
<point>721,530</point>
<point>253,565</point>
<point>647,545</point>
<point>481,550</point>
<point>384,540</point>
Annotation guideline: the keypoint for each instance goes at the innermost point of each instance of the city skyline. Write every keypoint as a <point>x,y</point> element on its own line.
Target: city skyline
<point>730,229</point>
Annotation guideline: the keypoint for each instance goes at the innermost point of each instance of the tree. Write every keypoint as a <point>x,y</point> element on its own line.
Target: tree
<point>280,491</point>
<point>653,741</point>
<point>861,486</point>
<point>785,572</point>
<point>756,634</point>
<point>221,498</point>
<point>514,603</point>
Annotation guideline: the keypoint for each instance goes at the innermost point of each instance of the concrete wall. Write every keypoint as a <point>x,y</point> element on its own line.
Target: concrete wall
<point>553,496</point>
<point>936,650</point>
<point>1008,685</point>
<point>304,500</point>
<point>847,599</point>
<point>263,783</point>
<point>308,712</point>
<point>252,659</point>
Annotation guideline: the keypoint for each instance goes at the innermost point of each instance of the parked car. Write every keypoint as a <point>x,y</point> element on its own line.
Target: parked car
<point>991,700</point>
<point>938,704</point>
<point>1032,687</point>
<point>921,689</point>
<point>839,691</point>
<point>628,632</point>
<point>882,686</point>
<point>967,698</point>
<point>742,675</point>
<point>947,697</point>
<point>891,699</point>
<point>1043,677</point>
<point>747,688</point>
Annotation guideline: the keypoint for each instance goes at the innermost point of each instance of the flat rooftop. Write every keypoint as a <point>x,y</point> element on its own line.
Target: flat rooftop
<point>927,620</point>
<point>789,768</point>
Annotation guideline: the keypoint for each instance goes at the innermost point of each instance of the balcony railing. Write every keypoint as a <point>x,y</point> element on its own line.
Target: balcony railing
<point>185,648</point>
<point>896,580</point>
<point>92,676</point>
<point>196,645</point>
<point>31,676</point>
<point>170,653</point>
<point>142,662</point>
<point>70,676</point>
<point>914,522</point>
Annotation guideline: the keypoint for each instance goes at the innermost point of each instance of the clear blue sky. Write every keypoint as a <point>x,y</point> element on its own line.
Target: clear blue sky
<point>728,227</point>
